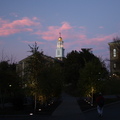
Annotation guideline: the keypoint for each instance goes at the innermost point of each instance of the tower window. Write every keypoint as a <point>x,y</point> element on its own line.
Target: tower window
<point>58,52</point>
<point>114,65</point>
<point>114,53</point>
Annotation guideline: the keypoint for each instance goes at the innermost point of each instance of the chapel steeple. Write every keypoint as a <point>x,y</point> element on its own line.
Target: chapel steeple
<point>60,48</point>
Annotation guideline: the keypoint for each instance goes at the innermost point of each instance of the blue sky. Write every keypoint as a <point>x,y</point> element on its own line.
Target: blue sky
<point>83,24</point>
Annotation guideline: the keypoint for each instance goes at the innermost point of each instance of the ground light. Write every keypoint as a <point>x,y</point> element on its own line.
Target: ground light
<point>92,96</point>
<point>31,113</point>
<point>39,109</point>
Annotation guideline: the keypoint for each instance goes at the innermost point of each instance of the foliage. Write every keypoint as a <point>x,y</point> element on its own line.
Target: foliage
<point>74,62</point>
<point>112,86</point>
<point>33,68</point>
<point>92,77</point>
<point>51,82</point>
<point>10,82</point>
<point>42,75</point>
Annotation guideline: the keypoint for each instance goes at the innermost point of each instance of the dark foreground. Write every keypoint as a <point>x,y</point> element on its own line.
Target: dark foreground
<point>70,110</point>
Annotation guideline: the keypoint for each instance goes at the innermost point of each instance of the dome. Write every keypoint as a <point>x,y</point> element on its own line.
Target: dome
<point>60,38</point>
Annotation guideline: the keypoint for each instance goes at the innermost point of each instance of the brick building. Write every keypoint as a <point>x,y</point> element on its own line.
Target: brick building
<point>114,48</point>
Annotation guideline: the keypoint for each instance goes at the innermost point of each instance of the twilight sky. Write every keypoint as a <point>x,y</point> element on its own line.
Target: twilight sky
<point>82,23</point>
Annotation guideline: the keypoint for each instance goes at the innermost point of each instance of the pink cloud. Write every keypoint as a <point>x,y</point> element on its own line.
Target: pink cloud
<point>20,23</point>
<point>101,27</point>
<point>53,31</point>
<point>102,38</point>
<point>99,39</point>
<point>76,40</point>
<point>16,26</point>
<point>6,32</point>
<point>83,41</point>
<point>3,21</point>
<point>81,36</point>
<point>65,26</point>
<point>35,18</point>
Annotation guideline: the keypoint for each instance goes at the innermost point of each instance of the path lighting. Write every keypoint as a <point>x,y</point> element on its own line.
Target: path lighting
<point>39,109</point>
<point>49,104</point>
<point>31,113</point>
<point>92,90</point>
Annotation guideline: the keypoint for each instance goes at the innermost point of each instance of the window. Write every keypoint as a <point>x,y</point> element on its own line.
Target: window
<point>114,65</point>
<point>58,52</point>
<point>114,53</point>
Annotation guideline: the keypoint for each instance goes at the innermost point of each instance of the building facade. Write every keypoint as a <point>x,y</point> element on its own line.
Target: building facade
<point>60,48</point>
<point>23,64</point>
<point>114,48</point>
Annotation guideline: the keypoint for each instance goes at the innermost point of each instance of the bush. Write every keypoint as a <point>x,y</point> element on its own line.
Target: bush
<point>18,103</point>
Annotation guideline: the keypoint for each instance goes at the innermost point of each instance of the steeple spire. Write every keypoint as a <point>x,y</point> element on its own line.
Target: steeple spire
<point>59,34</point>
<point>60,38</point>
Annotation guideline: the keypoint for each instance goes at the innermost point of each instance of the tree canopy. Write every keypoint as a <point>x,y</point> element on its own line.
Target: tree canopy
<point>10,81</point>
<point>84,70</point>
<point>92,76</point>
<point>43,80</point>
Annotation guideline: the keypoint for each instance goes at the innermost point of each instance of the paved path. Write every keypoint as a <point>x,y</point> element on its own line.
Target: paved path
<point>68,110</point>
<point>111,112</point>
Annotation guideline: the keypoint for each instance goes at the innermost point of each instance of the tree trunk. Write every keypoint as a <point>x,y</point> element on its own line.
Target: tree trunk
<point>35,103</point>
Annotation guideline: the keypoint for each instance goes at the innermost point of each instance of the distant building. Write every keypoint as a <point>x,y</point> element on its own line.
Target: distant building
<point>114,48</point>
<point>23,64</point>
<point>60,49</point>
<point>59,57</point>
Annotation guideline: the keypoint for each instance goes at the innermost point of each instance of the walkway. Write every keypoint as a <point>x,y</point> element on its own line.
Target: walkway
<point>68,110</point>
<point>111,112</point>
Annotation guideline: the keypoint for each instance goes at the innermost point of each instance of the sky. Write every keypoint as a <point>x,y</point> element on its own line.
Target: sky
<point>82,23</point>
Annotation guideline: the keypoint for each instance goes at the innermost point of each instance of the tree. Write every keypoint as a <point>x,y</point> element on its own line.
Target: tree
<point>72,64</point>
<point>86,55</point>
<point>34,67</point>
<point>92,77</point>
<point>51,82</point>
<point>42,76</point>
<point>10,82</point>
<point>112,86</point>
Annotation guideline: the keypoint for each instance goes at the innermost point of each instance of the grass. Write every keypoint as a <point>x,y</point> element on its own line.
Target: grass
<point>26,110</point>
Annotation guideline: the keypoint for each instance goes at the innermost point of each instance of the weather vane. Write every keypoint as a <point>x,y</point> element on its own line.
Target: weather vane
<point>60,34</point>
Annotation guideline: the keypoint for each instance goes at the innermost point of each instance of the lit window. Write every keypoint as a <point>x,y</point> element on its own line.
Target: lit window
<point>114,53</point>
<point>114,65</point>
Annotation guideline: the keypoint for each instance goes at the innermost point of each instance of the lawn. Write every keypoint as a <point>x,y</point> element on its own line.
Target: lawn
<point>28,109</point>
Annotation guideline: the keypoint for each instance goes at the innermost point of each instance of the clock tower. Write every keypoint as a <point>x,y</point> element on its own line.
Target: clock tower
<point>60,48</point>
